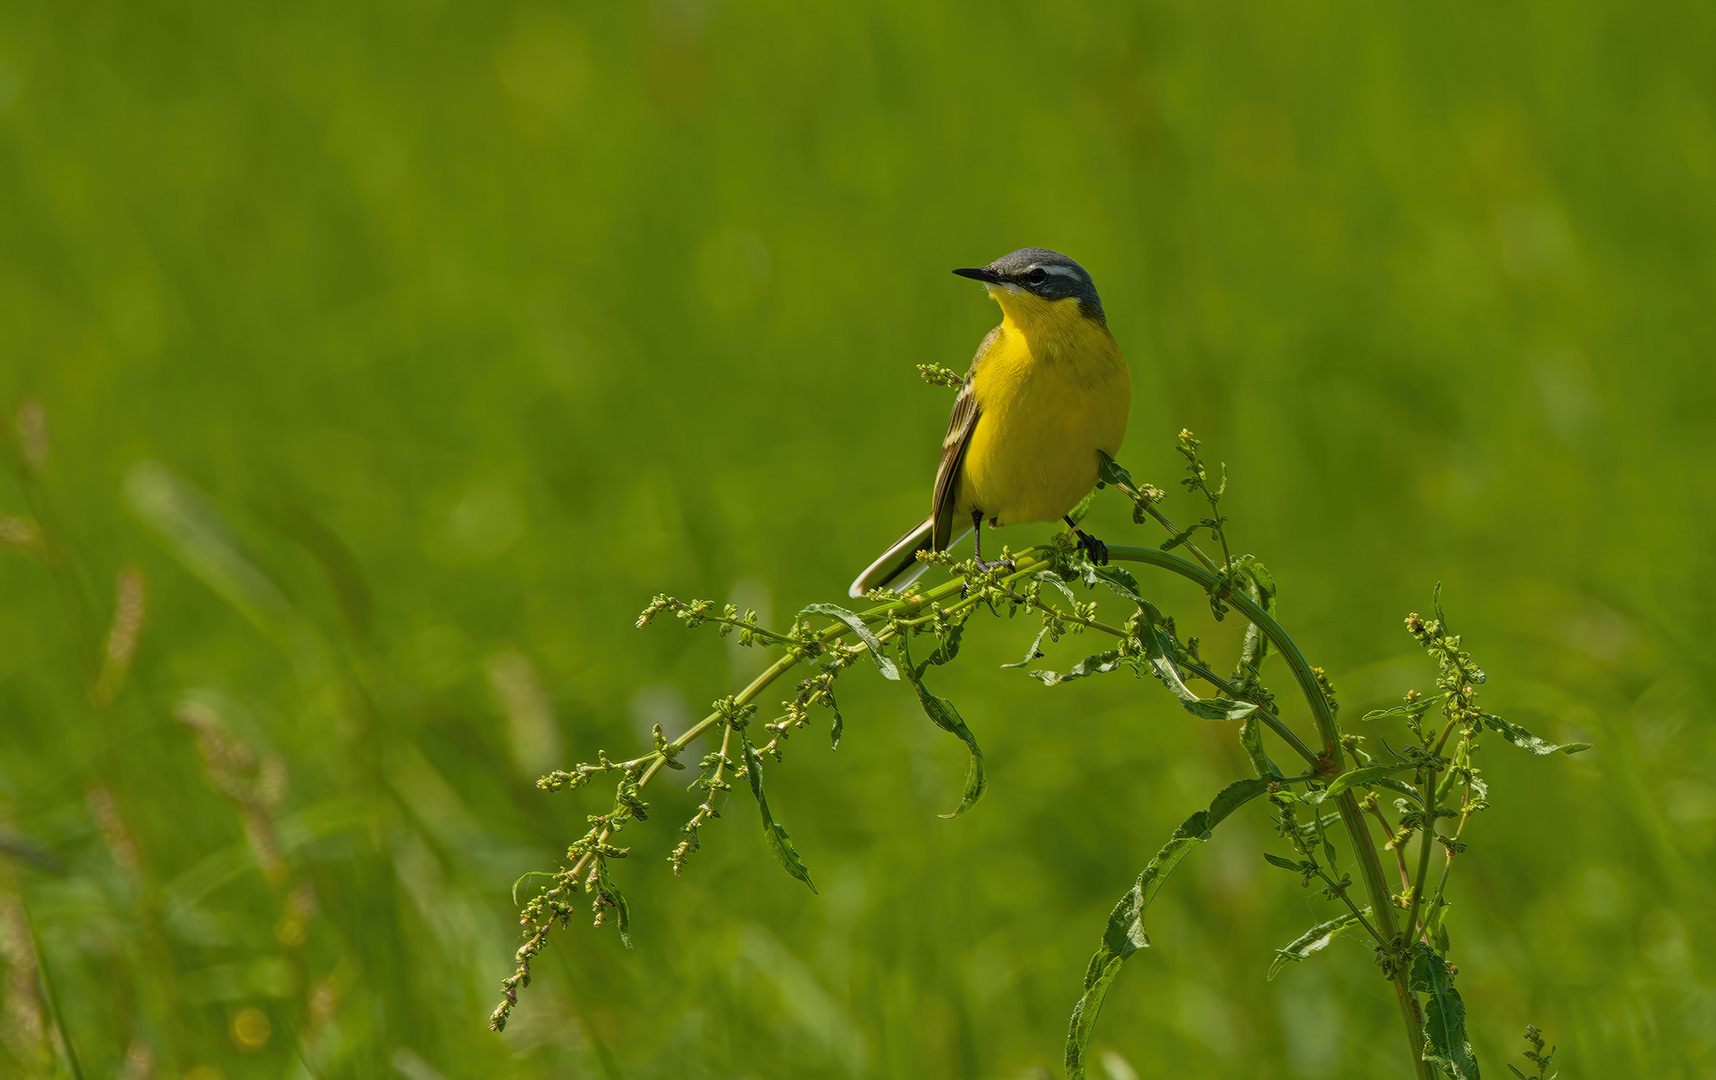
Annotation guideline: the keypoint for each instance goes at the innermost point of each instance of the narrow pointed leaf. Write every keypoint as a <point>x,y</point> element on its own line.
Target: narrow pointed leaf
<point>1364,777</point>
<point>1313,940</point>
<point>528,874</point>
<point>865,634</point>
<point>774,833</point>
<point>1124,934</point>
<point>1251,741</point>
<point>1053,579</point>
<point>943,715</point>
<point>1525,740</point>
<point>1118,579</point>
<point>1178,538</point>
<point>1417,708</point>
<point>838,726</point>
<point>1159,657</point>
<point>1158,653</point>
<point>947,648</point>
<point>1218,708</point>
<point>1399,788</point>
<point>1099,664</point>
<point>1033,652</point>
<point>1260,575</point>
<point>1232,797</point>
<point>1110,471</point>
<point>611,892</point>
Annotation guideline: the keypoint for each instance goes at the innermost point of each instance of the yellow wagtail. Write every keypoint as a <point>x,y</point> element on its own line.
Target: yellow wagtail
<point>1047,389</point>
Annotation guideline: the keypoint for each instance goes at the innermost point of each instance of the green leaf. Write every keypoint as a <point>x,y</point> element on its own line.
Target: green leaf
<point>1364,777</point>
<point>1436,925</point>
<point>521,880</point>
<point>1260,575</point>
<point>865,634</point>
<point>1445,1043</point>
<point>1178,538</point>
<point>943,715</point>
<point>1251,741</point>
<point>1232,797</point>
<point>774,833</point>
<point>1033,652</point>
<point>1050,578</point>
<point>1110,471</point>
<point>948,647</point>
<point>1525,740</point>
<point>1091,665</point>
<point>1313,940</point>
<point>625,911</point>
<point>1124,934</point>
<point>1285,864</point>
<point>1158,654</point>
<point>835,730</point>
<point>1416,708</point>
<point>1117,578</point>
<point>1219,708</point>
<point>608,890</point>
<point>1399,788</point>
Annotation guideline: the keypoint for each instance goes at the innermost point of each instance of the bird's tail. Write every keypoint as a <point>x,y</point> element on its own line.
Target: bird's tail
<point>898,566</point>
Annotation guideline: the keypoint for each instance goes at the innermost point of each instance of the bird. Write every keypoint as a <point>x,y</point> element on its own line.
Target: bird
<point>1047,389</point>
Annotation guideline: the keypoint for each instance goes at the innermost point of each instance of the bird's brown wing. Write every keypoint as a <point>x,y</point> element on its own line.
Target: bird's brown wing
<point>959,428</point>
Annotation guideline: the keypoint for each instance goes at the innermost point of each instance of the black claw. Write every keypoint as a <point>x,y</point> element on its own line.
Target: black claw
<point>1096,549</point>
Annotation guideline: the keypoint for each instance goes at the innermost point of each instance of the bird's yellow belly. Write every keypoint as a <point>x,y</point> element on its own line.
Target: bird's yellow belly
<point>1033,455</point>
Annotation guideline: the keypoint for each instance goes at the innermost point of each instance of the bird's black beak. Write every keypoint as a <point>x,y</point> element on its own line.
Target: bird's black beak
<point>980,273</point>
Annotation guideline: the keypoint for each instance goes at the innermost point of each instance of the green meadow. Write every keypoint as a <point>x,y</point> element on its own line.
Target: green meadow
<point>367,368</point>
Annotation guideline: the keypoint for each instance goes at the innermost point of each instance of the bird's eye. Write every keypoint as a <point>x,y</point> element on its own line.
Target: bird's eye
<point>1037,276</point>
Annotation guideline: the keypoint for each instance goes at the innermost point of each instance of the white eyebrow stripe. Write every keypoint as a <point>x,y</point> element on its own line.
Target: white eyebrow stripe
<point>1063,271</point>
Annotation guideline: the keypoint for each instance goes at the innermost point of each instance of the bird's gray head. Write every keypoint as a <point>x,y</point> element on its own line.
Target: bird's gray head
<point>1041,272</point>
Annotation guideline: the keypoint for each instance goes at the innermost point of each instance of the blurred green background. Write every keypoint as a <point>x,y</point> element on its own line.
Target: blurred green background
<point>404,350</point>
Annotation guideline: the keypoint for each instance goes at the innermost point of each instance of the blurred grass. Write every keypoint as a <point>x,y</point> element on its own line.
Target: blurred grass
<point>408,348</point>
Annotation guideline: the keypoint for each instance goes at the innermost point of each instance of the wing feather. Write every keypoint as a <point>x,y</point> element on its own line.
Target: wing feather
<point>960,425</point>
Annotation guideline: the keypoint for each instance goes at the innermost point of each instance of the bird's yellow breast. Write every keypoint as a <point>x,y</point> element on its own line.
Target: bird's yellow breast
<point>1052,390</point>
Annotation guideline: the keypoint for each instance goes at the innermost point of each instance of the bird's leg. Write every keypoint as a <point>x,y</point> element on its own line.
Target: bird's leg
<point>1096,549</point>
<point>977,542</point>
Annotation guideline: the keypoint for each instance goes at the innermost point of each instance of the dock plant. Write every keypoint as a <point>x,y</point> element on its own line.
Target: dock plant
<point>1374,824</point>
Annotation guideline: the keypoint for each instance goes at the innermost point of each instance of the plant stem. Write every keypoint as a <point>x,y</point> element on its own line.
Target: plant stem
<point>1399,856</point>
<point>1427,836</point>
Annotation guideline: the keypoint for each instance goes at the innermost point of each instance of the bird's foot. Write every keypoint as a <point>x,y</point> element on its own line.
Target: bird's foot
<point>1090,545</point>
<point>985,566</point>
